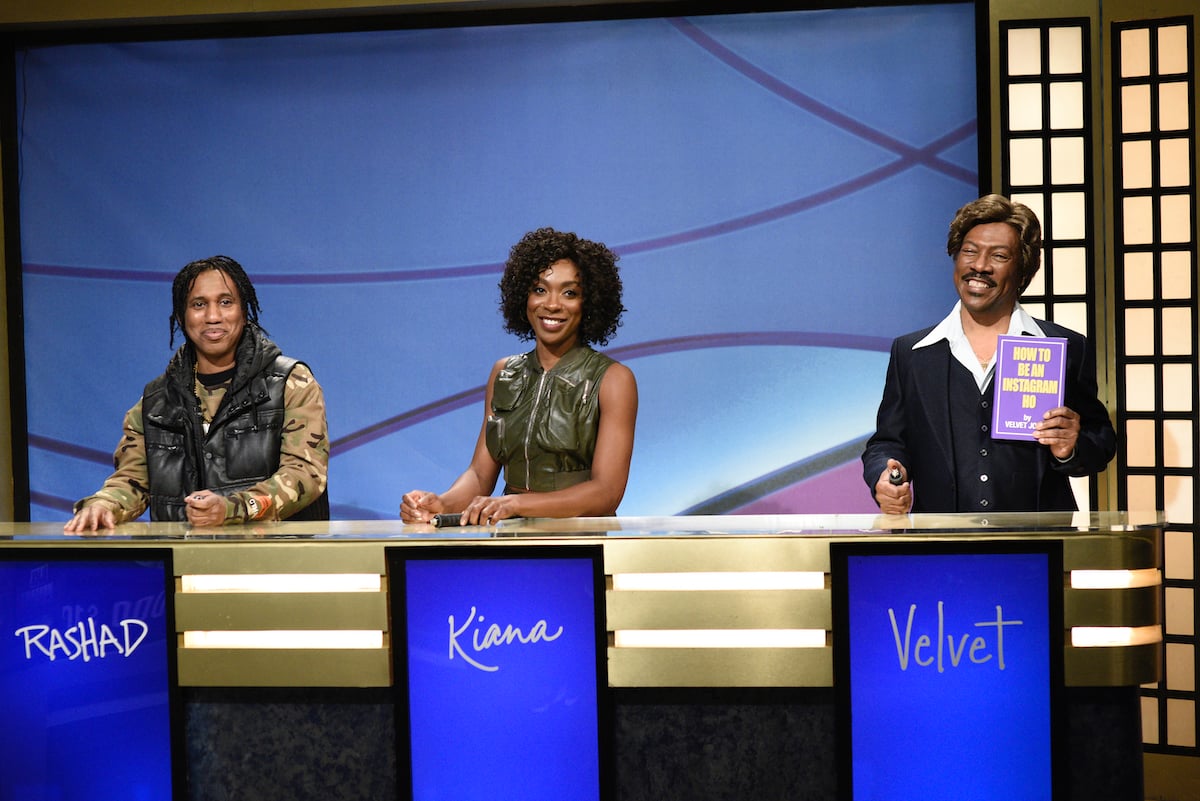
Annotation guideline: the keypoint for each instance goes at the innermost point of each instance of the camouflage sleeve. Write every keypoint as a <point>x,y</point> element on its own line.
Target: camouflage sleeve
<point>125,491</point>
<point>303,457</point>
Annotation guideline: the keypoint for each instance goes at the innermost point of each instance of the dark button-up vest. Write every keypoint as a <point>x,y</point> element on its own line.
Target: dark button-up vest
<point>993,475</point>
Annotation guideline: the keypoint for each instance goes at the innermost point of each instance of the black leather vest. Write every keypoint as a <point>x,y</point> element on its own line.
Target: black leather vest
<point>240,449</point>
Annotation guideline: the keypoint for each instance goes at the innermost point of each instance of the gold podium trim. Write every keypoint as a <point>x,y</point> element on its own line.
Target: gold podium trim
<point>736,574</point>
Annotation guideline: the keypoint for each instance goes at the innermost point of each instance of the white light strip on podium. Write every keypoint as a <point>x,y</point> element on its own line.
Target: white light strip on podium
<point>765,580</point>
<point>719,638</point>
<point>1115,579</point>
<point>322,640</point>
<point>1109,636</point>
<point>283,582</point>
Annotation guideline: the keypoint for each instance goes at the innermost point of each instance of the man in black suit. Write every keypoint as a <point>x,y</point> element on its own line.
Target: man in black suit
<point>932,450</point>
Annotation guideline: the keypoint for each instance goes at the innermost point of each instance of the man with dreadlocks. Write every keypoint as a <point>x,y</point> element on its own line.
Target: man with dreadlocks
<point>232,432</point>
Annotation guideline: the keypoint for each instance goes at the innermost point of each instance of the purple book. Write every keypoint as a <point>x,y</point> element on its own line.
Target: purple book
<point>1028,383</point>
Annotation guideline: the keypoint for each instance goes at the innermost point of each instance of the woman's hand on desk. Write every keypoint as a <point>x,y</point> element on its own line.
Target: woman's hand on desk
<point>486,510</point>
<point>420,506</point>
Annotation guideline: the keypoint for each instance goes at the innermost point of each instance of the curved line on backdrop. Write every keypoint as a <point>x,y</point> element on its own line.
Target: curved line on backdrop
<point>925,156</point>
<point>721,503</point>
<point>786,476</point>
<point>729,499</point>
<point>909,157</point>
<point>689,236</point>
<point>475,395</point>
<point>51,502</point>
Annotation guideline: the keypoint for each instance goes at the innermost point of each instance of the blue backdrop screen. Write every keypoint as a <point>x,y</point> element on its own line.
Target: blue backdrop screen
<point>951,669</point>
<point>778,186</point>
<point>502,696</point>
<point>85,678</point>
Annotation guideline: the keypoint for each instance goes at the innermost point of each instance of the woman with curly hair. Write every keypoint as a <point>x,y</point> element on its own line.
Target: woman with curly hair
<point>559,419</point>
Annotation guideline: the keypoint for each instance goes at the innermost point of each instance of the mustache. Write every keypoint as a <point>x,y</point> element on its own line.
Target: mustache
<point>979,277</point>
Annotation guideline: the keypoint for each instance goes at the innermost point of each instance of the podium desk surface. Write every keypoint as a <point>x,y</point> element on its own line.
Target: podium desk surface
<point>1063,524</point>
<point>305,604</point>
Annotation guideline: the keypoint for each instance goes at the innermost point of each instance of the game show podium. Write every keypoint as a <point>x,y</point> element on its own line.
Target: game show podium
<point>720,659</point>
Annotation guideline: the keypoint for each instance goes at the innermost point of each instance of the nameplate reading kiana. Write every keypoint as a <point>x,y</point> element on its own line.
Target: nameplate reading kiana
<point>1028,383</point>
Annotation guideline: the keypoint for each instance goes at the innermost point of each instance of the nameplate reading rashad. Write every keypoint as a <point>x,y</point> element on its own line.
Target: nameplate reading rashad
<point>1028,383</point>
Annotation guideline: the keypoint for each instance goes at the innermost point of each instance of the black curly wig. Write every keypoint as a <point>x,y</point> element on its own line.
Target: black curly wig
<point>601,284</point>
<point>187,276</point>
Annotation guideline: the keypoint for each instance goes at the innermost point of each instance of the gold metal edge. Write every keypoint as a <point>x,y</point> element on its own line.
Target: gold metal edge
<point>1119,666</point>
<point>288,556</point>
<point>724,609</point>
<point>232,667</point>
<point>1133,606</point>
<point>281,611</point>
<point>716,554</point>
<point>730,667</point>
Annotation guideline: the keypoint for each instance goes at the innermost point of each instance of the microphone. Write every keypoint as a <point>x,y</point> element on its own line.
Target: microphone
<point>896,477</point>
<point>448,519</point>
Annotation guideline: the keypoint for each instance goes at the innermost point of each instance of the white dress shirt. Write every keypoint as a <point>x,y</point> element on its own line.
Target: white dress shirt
<point>951,330</point>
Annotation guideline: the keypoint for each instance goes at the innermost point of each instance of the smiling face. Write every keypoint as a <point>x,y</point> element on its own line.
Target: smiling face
<point>555,307</point>
<point>213,321</point>
<point>987,272</point>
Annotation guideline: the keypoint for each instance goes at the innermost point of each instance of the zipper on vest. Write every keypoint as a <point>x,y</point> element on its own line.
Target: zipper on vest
<point>537,402</point>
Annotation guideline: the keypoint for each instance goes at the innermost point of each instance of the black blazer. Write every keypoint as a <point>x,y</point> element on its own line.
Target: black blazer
<point>913,426</point>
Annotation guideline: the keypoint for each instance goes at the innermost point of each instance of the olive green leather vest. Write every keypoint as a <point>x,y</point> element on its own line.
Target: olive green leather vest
<point>543,424</point>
